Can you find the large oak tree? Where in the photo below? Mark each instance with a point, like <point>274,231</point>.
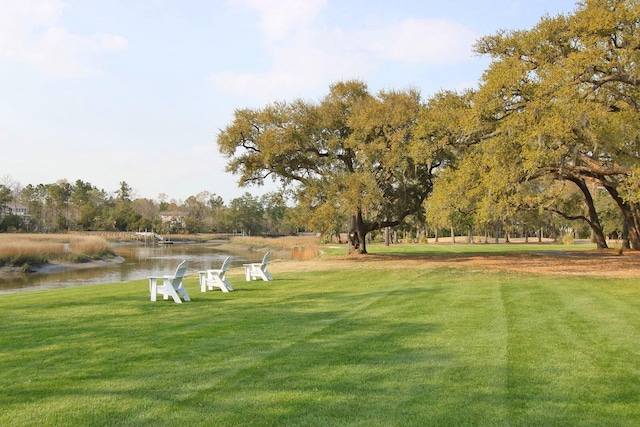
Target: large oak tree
<point>564,99</point>
<point>348,154</point>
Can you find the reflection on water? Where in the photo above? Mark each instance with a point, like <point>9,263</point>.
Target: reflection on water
<point>140,262</point>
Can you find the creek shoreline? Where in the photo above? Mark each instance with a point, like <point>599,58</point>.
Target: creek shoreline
<point>278,251</point>
<point>54,267</point>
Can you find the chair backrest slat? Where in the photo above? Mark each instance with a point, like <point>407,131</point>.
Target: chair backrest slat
<point>180,272</point>
<point>225,265</point>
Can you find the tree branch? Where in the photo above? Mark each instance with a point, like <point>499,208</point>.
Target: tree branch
<point>569,217</point>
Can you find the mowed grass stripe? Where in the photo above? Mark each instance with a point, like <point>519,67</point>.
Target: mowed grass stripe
<point>574,350</point>
<point>385,347</point>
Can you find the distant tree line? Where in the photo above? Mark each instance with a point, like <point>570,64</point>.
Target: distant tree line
<point>63,206</point>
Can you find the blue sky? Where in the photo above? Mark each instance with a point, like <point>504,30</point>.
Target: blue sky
<point>137,90</point>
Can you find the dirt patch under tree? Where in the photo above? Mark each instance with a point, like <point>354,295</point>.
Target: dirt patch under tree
<point>607,263</point>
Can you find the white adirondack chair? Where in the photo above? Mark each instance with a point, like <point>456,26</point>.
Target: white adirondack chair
<point>210,279</point>
<point>171,285</point>
<point>258,270</point>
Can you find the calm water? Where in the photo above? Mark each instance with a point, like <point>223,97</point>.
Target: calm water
<point>140,262</point>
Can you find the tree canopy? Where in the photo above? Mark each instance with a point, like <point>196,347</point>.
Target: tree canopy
<point>351,155</point>
<point>554,120</point>
<point>558,101</point>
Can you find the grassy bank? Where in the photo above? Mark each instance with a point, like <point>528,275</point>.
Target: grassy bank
<point>335,346</point>
<point>28,250</point>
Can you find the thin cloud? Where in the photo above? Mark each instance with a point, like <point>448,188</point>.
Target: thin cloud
<point>281,17</point>
<point>296,68</point>
<point>421,42</point>
<point>310,57</point>
<point>33,31</point>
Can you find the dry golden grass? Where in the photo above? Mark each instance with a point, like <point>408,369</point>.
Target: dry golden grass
<point>89,246</point>
<point>297,247</point>
<point>37,249</point>
<point>304,252</point>
<point>284,241</point>
<point>28,252</point>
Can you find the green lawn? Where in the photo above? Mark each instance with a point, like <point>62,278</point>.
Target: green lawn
<point>463,248</point>
<point>390,347</point>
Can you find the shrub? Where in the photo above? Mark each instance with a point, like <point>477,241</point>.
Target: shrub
<point>567,239</point>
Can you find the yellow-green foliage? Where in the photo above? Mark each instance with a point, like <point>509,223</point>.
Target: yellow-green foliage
<point>568,239</point>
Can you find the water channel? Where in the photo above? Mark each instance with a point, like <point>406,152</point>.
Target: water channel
<point>140,262</point>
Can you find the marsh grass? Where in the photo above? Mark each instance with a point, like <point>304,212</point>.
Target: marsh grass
<point>302,253</point>
<point>26,252</point>
<point>89,247</point>
<point>294,247</point>
<point>390,346</point>
<point>23,250</point>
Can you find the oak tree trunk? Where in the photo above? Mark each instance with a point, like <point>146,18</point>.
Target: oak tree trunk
<point>594,220</point>
<point>631,228</point>
<point>357,235</point>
